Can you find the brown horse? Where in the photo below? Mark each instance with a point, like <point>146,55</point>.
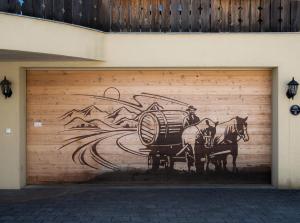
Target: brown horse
<point>226,143</point>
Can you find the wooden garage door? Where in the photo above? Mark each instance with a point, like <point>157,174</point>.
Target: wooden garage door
<point>200,126</point>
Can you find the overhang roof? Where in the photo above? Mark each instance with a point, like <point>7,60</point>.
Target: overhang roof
<point>26,38</point>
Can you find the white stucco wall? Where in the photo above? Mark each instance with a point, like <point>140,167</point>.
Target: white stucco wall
<point>280,52</point>
<point>48,38</point>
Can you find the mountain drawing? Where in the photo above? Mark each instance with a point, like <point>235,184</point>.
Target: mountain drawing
<point>91,110</point>
<point>93,117</point>
<point>121,114</point>
<point>78,122</point>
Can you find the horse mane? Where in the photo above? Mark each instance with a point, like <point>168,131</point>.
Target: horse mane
<point>221,123</point>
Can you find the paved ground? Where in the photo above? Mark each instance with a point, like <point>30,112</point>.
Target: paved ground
<point>140,204</point>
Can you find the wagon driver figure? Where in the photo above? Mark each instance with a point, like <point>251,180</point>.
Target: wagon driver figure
<point>191,118</point>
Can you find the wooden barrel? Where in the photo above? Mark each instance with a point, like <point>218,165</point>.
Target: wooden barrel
<point>162,127</point>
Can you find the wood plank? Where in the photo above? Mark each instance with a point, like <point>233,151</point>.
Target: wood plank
<point>86,13</point>
<point>13,6</point>
<point>256,15</point>
<point>286,15</point>
<point>266,15</point>
<point>68,11</point>
<point>104,16</point>
<point>155,16</point>
<point>235,21</point>
<point>295,16</point>
<point>77,12</point>
<point>276,19</point>
<point>205,16</point>
<point>116,15</point>
<point>218,94</point>
<point>195,15</point>
<point>215,15</point>
<point>58,10</point>
<point>48,9</point>
<point>145,6</point>
<point>220,16</point>
<point>4,6</point>
<point>27,8</point>
<point>175,17</point>
<point>125,16</point>
<point>185,16</point>
<point>38,8</point>
<point>165,10</point>
<point>135,15</point>
<point>245,15</point>
<point>93,14</point>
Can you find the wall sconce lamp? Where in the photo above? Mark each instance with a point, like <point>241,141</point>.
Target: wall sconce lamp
<point>292,89</point>
<point>6,88</point>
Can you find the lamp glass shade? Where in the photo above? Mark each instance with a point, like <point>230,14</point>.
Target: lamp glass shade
<point>292,88</point>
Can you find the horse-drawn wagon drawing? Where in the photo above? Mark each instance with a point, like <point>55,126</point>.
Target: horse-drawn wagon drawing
<point>168,141</point>
<point>168,136</point>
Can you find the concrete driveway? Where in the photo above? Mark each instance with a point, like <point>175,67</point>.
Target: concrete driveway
<point>149,204</point>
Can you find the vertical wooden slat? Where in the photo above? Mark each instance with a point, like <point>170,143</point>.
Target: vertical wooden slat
<point>165,15</point>
<point>68,8</point>
<point>145,15</point>
<point>205,16</point>
<point>135,15</point>
<point>175,19</point>
<point>235,23</point>
<point>195,15</point>
<point>286,15</point>
<point>225,16</point>
<point>86,11</point>
<point>155,16</point>
<point>58,10</point>
<point>295,16</point>
<point>186,16</point>
<point>48,4</point>
<point>13,6</point>
<point>256,19</point>
<point>38,8</point>
<point>104,15</point>
<point>125,16</point>
<point>27,8</point>
<point>276,19</point>
<point>77,11</point>
<point>220,15</point>
<point>115,15</point>
<point>265,15</point>
<point>92,19</point>
<point>4,5</point>
<point>215,15</point>
<point>245,15</point>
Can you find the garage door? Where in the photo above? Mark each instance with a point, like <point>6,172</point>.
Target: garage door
<point>149,126</point>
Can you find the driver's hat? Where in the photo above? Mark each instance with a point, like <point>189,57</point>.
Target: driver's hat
<point>191,108</point>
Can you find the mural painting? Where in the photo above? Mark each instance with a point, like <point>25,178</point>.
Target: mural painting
<point>166,136</point>
<point>149,126</point>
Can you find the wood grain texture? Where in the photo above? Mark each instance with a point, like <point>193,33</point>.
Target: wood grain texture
<point>58,10</point>
<point>175,17</point>
<point>217,94</point>
<point>295,16</point>
<point>166,15</point>
<point>195,15</point>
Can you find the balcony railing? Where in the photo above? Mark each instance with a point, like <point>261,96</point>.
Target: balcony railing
<point>166,15</point>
